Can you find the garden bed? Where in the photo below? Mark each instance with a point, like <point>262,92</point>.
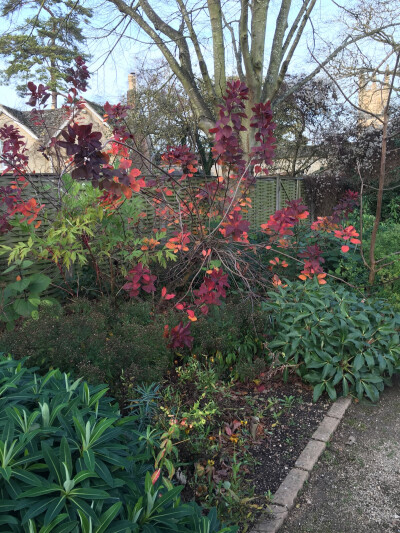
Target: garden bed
<point>279,447</point>
<point>238,457</point>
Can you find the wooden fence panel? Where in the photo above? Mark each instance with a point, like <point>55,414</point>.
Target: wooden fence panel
<point>269,194</point>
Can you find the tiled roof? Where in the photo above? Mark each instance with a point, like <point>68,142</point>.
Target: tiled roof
<point>49,123</point>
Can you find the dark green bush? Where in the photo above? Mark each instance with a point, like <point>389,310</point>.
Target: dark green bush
<point>95,340</point>
<point>233,334</point>
<point>70,463</point>
<point>123,344</point>
<point>334,338</point>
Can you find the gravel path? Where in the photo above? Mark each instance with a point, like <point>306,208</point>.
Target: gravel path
<point>355,487</point>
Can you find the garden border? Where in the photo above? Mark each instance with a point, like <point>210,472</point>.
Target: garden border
<point>288,490</point>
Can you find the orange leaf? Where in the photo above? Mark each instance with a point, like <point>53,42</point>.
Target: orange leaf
<point>191,315</point>
<point>134,173</point>
<point>303,215</point>
<point>127,191</point>
<point>156,475</point>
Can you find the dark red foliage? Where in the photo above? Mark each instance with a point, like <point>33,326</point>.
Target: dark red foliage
<point>180,337</point>
<point>212,289</point>
<point>235,226</point>
<point>9,197</point>
<point>39,95</point>
<point>84,147</point>
<point>13,150</point>
<point>208,190</point>
<point>284,219</point>
<point>227,150</point>
<point>117,114</point>
<point>90,163</point>
<point>262,120</point>
<point>346,206</point>
<point>138,278</point>
<point>5,226</point>
<point>181,156</point>
<point>313,260</point>
<point>79,76</point>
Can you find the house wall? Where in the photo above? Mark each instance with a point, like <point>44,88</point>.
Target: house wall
<point>37,163</point>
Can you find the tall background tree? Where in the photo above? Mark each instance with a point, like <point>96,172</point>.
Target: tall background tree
<point>41,41</point>
<point>194,39</point>
<point>161,113</point>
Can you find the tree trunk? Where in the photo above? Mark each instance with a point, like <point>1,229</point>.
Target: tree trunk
<point>378,213</point>
<point>381,186</point>
<point>53,78</point>
<point>53,99</point>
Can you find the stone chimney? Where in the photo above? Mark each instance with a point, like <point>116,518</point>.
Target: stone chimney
<point>130,95</point>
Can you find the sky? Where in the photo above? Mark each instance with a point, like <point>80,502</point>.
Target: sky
<point>110,77</point>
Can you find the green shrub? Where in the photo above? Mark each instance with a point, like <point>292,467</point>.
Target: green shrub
<point>70,463</point>
<point>233,334</point>
<point>123,344</point>
<point>96,341</point>
<point>387,251</point>
<point>334,338</point>
<point>387,280</point>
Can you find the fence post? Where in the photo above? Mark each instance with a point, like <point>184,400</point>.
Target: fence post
<point>278,193</point>
<point>297,188</point>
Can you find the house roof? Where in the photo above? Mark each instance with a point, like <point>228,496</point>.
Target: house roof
<point>53,120</point>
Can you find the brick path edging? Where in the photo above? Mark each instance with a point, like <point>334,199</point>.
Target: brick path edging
<point>286,494</point>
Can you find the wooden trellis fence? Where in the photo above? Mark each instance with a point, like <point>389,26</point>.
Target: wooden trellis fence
<point>269,195</point>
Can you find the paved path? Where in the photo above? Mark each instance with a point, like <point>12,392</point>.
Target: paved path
<point>355,486</point>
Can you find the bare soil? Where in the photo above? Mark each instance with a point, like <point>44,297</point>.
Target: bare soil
<point>283,417</point>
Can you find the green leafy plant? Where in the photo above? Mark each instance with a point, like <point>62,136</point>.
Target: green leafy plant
<point>69,462</point>
<point>22,297</point>
<point>232,335</point>
<point>334,339</point>
<point>120,345</point>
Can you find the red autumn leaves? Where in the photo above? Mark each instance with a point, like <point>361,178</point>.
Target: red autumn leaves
<point>213,288</point>
<point>139,278</point>
<point>281,226</point>
<point>347,234</point>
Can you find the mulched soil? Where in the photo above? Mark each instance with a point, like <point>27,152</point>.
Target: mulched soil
<point>278,420</point>
<point>279,446</point>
